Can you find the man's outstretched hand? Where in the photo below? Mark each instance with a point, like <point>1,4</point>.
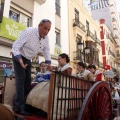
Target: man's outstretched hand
<point>50,67</point>
<point>22,64</point>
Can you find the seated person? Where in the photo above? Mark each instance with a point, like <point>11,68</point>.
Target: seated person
<point>44,75</point>
<point>63,61</point>
<point>38,97</point>
<point>82,72</point>
<point>97,74</point>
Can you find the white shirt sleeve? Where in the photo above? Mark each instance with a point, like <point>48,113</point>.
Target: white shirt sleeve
<point>23,37</point>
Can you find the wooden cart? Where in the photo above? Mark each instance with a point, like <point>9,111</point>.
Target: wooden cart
<point>71,98</point>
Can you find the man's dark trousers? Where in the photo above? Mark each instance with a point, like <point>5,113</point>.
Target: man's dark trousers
<point>23,81</point>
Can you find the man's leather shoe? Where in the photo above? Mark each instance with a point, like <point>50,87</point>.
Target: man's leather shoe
<point>23,112</point>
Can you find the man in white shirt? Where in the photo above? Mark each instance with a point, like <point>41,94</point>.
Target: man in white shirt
<point>30,42</point>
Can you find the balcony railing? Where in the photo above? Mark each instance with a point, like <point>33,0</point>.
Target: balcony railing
<point>118,55</point>
<point>111,53</point>
<point>85,57</point>
<point>57,9</point>
<point>95,62</point>
<point>116,37</point>
<point>115,28</point>
<point>97,41</point>
<point>90,34</point>
<point>76,55</point>
<point>78,24</point>
<point>109,37</point>
<point>113,20</point>
<point>112,12</point>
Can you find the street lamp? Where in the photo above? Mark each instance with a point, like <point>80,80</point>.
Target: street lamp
<point>80,47</point>
<point>86,51</point>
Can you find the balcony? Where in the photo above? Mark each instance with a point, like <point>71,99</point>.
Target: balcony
<point>80,56</point>
<point>76,55</point>
<point>112,12</point>
<point>118,57</point>
<point>111,53</point>
<point>90,34</point>
<point>78,24</point>
<point>57,9</point>
<point>116,37</point>
<point>97,41</point>
<point>109,37</point>
<point>115,28</point>
<point>40,1</point>
<point>95,62</point>
<point>114,20</point>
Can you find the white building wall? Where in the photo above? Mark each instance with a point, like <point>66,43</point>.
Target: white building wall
<point>5,51</point>
<point>64,27</point>
<point>6,8</point>
<point>47,11</point>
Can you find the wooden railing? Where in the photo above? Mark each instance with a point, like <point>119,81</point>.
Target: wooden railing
<point>67,95</point>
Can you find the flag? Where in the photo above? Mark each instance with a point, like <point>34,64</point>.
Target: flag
<point>36,59</point>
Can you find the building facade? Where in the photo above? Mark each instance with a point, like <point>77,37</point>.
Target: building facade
<point>19,14</point>
<point>109,16</point>
<point>84,33</point>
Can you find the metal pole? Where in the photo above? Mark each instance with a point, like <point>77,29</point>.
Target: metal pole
<point>80,56</point>
<point>84,51</point>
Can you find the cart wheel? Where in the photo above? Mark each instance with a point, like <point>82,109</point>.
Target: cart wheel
<point>97,104</point>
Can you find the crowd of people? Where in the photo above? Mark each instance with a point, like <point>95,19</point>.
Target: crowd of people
<point>84,72</point>
<point>31,42</point>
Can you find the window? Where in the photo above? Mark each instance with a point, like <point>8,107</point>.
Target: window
<point>76,16</point>
<point>14,15</point>
<point>58,38</point>
<point>57,7</point>
<point>19,17</point>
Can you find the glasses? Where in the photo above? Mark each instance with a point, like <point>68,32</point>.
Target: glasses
<point>45,20</point>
